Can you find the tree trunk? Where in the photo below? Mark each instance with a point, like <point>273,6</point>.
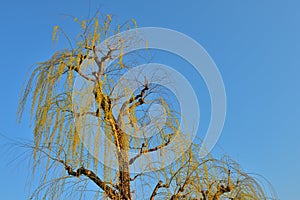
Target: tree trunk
<point>123,161</point>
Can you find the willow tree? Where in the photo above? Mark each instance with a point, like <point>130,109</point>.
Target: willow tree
<point>68,116</point>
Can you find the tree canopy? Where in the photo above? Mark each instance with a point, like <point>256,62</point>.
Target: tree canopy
<point>74,96</point>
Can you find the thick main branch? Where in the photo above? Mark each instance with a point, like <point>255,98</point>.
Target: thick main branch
<point>110,192</point>
<point>121,141</point>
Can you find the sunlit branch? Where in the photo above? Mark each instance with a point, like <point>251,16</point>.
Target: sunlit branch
<point>120,138</point>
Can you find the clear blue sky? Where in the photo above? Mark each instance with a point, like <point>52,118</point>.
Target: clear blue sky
<point>255,44</point>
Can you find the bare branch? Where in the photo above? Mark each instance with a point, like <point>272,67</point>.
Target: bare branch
<point>83,75</point>
<point>110,192</point>
<point>132,179</point>
<point>101,63</point>
<point>139,98</point>
<point>149,150</point>
<point>158,185</point>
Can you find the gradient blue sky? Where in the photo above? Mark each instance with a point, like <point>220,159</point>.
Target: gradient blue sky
<point>255,44</point>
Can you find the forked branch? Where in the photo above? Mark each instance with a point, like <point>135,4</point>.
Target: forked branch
<point>101,62</point>
<point>138,98</point>
<point>158,185</point>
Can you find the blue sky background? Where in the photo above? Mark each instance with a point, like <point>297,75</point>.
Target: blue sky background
<point>255,44</point>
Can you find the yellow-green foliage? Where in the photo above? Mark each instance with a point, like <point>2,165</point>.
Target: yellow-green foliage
<point>50,91</point>
<point>50,88</point>
<point>51,85</point>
